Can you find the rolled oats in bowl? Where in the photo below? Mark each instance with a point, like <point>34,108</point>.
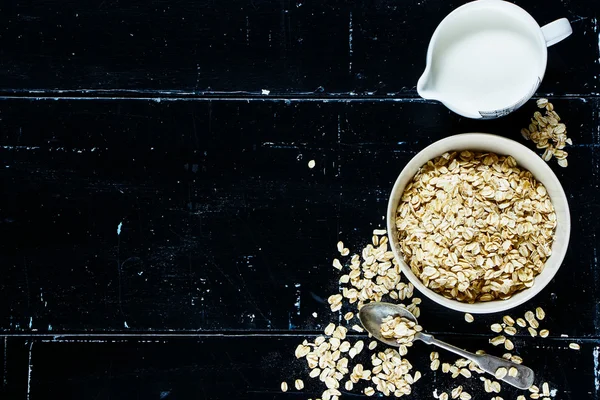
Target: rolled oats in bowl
<point>474,226</point>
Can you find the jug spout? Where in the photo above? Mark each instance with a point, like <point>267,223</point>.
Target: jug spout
<point>425,87</point>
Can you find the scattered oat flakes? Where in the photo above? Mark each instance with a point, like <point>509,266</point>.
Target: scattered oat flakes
<point>532,331</point>
<point>336,264</point>
<point>456,391</point>
<point>548,133</point>
<point>496,328</point>
<point>340,332</point>
<point>496,386</point>
<point>574,346</point>
<point>546,389</point>
<point>544,333</point>
<point>534,389</point>
<point>299,384</point>
<point>284,386</point>
<point>516,359</point>
<point>539,313</point>
<point>302,351</point>
<point>498,340</point>
<point>371,277</point>
<point>508,320</point>
<point>508,344</point>
<point>335,302</point>
<point>357,328</point>
<point>521,322</point>
<point>345,346</point>
<point>329,329</point>
<point>510,330</point>
<point>534,323</point>
<point>529,316</point>
<point>469,318</point>
<point>512,371</point>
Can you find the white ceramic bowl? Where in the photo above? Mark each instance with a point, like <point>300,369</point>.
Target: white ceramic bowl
<point>526,159</point>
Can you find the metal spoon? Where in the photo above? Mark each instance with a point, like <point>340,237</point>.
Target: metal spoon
<point>372,314</point>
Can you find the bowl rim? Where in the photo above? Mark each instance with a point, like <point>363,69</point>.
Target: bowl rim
<point>552,264</point>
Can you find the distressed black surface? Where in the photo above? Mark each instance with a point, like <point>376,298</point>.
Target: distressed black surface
<point>326,47</point>
<point>148,119</point>
<point>242,367</point>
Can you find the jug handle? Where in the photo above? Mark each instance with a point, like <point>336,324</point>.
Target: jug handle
<point>556,31</point>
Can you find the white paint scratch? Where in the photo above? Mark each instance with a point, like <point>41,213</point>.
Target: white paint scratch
<point>247,31</point>
<point>298,296</point>
<point>265,92</point>
<point>119,228</point>
<point>30,322</point>
<point>20,147</point>
<point>5,358</point>
<point>595,23</point>
<point>350,38</point>
<point>29,371</point>
<point>125,323</point>
<point>596,369</point>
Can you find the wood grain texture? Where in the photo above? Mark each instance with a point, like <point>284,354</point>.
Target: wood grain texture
<point>288,47</point>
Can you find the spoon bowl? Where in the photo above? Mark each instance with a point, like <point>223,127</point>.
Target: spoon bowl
<point>371,316</point>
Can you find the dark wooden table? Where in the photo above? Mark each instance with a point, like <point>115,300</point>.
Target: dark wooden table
<point>162,236</point>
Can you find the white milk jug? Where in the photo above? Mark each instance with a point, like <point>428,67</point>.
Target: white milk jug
<point>487,58</point>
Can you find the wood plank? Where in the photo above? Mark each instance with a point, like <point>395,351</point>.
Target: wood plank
<point>15,377</point>
<point>252,367</point>
<point>196,215</point>
<point>288,47</point>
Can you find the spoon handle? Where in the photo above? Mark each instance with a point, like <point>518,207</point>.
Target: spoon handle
<point>429,339</point>
<point>490,364</point>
